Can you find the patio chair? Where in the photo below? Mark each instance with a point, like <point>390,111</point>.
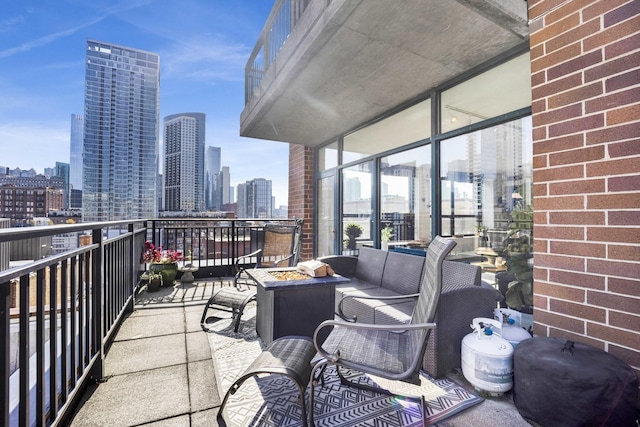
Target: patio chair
<point>394,352</point>
<point>280,248</point>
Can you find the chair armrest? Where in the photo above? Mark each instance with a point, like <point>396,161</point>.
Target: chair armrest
<point>277,262</point>
<point>381,298</point>
<point>344,265</point>
<point>251,255</point>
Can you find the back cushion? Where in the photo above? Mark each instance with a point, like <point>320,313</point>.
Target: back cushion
<point>402,273</point>
<point>371,265</point>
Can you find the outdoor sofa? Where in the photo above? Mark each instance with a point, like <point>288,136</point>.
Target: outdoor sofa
<point>377,273</point>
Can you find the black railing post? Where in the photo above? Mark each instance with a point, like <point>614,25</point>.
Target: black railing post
<point>97,273</point>
<point>233,243</point>
<point>134,269</point>
<point>5,304</point>
<point>23,355</point>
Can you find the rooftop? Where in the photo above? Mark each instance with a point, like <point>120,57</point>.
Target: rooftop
<point>160,369</point>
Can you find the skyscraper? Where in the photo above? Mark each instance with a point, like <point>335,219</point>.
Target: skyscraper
<point>255,199</point>
<point>212,162</point>
<point>120,150</point>
<point>183,171</point>
<point>75,155</point>
<point>62,170</point>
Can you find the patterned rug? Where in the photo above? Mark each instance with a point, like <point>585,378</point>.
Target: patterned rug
<point>272,400</point>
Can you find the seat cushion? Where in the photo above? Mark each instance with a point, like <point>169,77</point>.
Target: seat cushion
<point>391,314</point>
<point>402,273</point>
<point>364,309</point>
<point>344,289</point>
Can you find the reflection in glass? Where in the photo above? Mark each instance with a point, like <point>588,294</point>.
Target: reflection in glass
<point>487,204</point>
<point>405,199</point>
<point>356,206</point>
<point>500,90</point>
<point>328,157</point>
<point>325,214</point>
<point>410,125</point>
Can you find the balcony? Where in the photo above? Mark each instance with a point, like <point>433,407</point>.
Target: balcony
<point>124,356</point>
<point>320,66</point>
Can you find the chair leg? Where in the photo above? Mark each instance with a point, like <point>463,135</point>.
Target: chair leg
<point>321,364</point>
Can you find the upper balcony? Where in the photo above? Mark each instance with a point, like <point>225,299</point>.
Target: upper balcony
<point>320,66</point>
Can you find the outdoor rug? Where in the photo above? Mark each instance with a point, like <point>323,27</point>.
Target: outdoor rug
<point>272,400</point>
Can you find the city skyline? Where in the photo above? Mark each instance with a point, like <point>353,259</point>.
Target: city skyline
<point>203,48</point>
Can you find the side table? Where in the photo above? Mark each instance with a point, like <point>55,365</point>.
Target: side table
<point>292,307</point>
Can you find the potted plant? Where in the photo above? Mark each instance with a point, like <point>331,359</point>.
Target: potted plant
<point>152,280</point>
<point>352,231</point>
<point>385,237</point>
<point>163,261</point>
<point>517,282</point>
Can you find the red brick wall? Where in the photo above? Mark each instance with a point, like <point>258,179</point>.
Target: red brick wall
<point>301,193</point>
<point>585,66</point>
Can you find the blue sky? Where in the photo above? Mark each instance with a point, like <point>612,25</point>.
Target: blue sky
<point>203,47</point>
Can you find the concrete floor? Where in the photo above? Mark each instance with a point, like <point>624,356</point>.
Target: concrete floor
<point>159,370</point>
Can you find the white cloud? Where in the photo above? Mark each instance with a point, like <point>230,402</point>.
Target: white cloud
<point>206,59</point>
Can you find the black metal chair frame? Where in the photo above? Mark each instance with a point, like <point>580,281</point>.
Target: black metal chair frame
<point>401,347</point>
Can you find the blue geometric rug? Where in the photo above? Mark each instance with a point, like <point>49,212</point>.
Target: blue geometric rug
<point>272,400</point>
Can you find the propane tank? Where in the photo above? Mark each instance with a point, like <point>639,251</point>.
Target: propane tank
<point>487,358</point>
<point>511,327</point>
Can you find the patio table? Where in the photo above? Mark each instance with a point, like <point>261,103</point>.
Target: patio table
<point>292,307</point>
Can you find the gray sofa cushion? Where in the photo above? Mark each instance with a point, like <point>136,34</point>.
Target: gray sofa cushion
<point>364,309</point>
<point>371,265</point>
<point>402,273</point>
<point>391,314</point>
<point>355,285</point>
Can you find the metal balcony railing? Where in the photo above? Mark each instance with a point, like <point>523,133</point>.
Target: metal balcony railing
<point>280,23</point>
<point>58,314</point>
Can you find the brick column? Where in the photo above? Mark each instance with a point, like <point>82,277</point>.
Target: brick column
<point>301,193</point>
<point>585,66</point>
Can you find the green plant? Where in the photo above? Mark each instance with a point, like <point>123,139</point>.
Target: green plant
<point>148,276</point>
<point>518,255</point>
<point>352,231</point>
<point>386,234</point>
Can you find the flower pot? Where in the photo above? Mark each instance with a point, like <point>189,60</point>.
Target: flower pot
<point>384,246</point>
<point>168,271</point>
<point>154,285</point>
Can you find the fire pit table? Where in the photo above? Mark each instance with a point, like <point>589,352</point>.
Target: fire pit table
<point>291,303</point>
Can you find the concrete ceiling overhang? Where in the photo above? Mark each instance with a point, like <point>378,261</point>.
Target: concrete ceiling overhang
<point>350,61</point>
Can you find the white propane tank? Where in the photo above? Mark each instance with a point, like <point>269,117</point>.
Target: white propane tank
<point>511,326</point>
<point>487,358</point>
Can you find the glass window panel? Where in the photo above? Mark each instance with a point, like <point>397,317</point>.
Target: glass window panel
<point>486,192</point>
<point>357,207</point>
<point>328,157</point>
<point>325,214</point>
<point>407,126</point>
<point>405,199</point>
<point>498,91</point>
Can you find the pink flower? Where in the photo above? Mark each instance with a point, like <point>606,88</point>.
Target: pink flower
<point>158,255</point>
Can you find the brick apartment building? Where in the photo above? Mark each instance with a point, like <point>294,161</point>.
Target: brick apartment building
<point>350,67</point>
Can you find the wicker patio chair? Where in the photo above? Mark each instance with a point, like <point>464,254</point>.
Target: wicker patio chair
<point>281,248</point>
<point>394,352</point>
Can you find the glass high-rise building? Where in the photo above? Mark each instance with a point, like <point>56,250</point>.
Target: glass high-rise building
<point>212,164</point>
<point>77,138</point>
<point>121,133</point>
<point>183,171</point>
<point>255,199</point>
